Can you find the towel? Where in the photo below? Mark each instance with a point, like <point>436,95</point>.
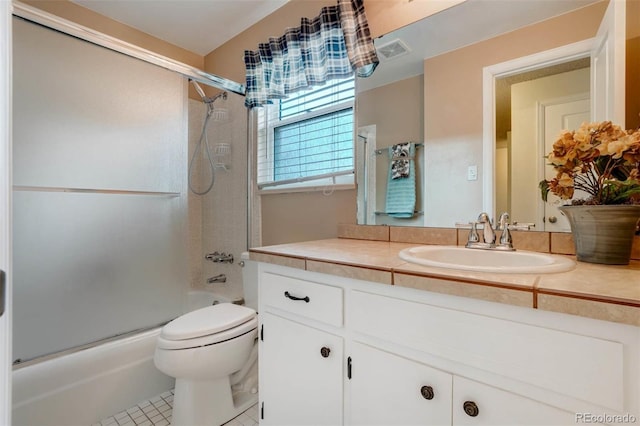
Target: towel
<point>401,182</point>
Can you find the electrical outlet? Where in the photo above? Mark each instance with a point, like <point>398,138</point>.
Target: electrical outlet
<point>472,173</point>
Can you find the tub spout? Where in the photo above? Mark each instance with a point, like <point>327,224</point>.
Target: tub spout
<point>222,278</point>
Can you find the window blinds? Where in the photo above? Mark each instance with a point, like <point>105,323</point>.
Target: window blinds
<point>308,136</point>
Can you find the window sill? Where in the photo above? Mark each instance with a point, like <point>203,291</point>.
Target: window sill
<point>327,189</point>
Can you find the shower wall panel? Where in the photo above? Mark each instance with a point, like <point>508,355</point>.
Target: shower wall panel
<point>100,143</point>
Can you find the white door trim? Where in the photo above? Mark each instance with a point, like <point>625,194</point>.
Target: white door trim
<point>5,207</point>
<point>570,52</point>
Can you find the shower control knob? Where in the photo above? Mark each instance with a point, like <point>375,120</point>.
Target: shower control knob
<point>470,408</point>
<point>325,351</point>
<point>427,392</point>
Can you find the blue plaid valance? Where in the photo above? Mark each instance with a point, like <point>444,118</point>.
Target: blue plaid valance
<point>331,45</point>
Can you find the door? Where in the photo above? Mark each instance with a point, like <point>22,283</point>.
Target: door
<point>557,117</point>
<point>5,211</point>
<point>608,66</point>
<point>303,385</point>
<point>387,389</point>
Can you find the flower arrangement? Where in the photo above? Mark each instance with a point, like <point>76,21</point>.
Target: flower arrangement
<point>600,159</point>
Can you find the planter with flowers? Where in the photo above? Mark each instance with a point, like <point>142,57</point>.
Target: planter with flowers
<point>602,161</point>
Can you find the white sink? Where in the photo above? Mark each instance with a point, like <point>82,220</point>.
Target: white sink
<point>505,262</point>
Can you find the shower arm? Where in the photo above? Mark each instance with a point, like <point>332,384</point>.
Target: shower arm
<point>205,98</point>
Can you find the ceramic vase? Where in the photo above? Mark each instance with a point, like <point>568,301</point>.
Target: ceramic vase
<point>603,234</point>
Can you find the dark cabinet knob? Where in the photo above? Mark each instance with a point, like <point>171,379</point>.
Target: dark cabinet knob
<point>427,392</point>
<point>325,351</point>
<point>470,408</point>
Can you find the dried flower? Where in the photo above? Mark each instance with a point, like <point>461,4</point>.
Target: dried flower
<point>600,159</point>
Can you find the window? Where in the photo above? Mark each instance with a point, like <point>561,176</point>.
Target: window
<point>307,139</point>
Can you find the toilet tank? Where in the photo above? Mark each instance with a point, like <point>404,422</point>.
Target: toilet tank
<point>250,281</point>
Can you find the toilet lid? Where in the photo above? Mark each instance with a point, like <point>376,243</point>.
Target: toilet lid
<point>205,321</point>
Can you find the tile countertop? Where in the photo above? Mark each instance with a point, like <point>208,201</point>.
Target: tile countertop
<point>605,292</point>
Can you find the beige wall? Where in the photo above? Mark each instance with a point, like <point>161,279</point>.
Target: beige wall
<point>454,111</point>
<point>303,216</point>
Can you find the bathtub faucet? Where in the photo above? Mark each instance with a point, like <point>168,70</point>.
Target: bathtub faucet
<point>222,278</point>
<point>219,257</point>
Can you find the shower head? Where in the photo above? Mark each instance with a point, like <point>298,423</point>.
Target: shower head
<point>204,97</point>
<point>199,90</point>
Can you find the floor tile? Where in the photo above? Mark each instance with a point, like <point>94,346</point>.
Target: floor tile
<point>157,412</point>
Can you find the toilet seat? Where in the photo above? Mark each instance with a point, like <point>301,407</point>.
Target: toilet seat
<point>207,326</point>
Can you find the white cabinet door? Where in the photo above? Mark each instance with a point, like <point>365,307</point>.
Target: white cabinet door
<point>479,404</point>
<point>301,374</point>
<point>387,389</point>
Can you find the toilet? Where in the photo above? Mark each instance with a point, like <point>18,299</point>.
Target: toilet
<point>213,354</point>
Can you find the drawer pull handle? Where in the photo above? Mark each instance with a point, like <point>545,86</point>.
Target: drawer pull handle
<point>470,408</point>
<point>427,392</point>
<point>325,351</point>
<point>289,296</point>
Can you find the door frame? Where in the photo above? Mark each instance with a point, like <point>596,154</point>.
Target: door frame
<point>5,207</point>
<point>569,52</point>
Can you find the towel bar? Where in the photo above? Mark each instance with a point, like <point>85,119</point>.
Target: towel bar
<point>386,150</point>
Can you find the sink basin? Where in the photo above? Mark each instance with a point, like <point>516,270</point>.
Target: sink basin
<point>496,261</point>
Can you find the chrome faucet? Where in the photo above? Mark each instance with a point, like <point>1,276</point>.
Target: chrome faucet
<point>488,233</point>
<point>506,242</point>
<point>222,278</point>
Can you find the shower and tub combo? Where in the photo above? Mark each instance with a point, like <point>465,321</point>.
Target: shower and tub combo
<point>100,211</point>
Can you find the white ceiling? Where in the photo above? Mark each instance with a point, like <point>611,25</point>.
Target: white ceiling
<point>199,26</point>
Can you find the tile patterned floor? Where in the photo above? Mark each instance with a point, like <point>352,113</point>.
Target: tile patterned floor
<point>157,412</point>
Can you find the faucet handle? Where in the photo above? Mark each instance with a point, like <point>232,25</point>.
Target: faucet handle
<point>506,241</point>
<point>473,233</point>
<point>517,226</point>
<point>503,222</point>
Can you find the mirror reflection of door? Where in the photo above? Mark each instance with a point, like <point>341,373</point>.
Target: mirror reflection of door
<point>558,116</point>
<point>521,130</point>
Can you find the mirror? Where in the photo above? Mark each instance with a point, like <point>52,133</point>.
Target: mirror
<point>428,88</point>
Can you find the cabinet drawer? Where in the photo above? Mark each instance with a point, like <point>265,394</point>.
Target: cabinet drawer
<point>312,300</point>
<point>563,362</point>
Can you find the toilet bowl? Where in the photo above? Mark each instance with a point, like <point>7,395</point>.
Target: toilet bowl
<point>212,352</point>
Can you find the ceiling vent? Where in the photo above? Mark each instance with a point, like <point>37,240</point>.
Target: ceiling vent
<point>392,50</point>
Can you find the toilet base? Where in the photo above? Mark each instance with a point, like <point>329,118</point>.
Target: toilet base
<point>208,403</point>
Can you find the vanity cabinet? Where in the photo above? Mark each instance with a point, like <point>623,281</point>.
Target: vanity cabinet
<point>336,350</point>
<point>302,379</point>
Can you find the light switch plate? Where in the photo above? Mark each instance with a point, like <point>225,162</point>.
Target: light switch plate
<point>472,173</point>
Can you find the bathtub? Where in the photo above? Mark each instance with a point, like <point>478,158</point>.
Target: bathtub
<point>85,386</point>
